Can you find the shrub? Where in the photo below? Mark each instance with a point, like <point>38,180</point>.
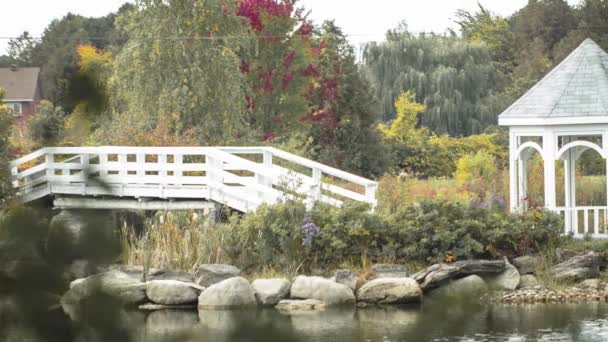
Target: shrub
<point>46,127</point>
<point>432,231</point>
<point>436,230</point>
<point>271,236</point>
<point>478,175</point>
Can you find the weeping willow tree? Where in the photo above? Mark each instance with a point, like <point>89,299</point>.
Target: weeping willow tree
<point>448,75</point>
<point>177,61</point>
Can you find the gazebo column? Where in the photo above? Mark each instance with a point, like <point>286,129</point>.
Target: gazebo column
<point>549,151</point>
<point>522,179</point>
<point>570,215</point>
<point>513,179</point>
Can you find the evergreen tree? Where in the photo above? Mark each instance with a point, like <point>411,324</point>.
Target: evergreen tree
<point>342,116</point>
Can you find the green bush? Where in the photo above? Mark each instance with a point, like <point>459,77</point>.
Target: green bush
<point>432,231</point>
<point>46,126</point>
<point>271,236</point>
<point>438,230</point>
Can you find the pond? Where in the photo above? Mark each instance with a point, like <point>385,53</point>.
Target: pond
<point>433,322</point>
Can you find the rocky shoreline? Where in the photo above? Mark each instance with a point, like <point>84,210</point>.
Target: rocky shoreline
<point>540,295</point>
<point>220,287</point>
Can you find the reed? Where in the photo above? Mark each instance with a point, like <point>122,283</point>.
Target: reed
<point>173,240</point>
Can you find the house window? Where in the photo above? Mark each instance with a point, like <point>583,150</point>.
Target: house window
<point>14,108</point>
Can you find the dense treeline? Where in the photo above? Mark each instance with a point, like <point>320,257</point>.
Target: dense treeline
<point>260,72</point>
<point>467,78</point>
<point>448,75</point>
<point>55,53</point>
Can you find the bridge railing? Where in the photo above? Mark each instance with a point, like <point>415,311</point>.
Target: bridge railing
<point>241,177</point>
<point>316,180</point>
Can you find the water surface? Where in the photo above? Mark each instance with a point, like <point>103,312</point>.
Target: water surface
<point>433,322</point>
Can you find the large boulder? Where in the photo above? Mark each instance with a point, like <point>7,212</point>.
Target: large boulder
<point>162,274</point>
<point>321,289</point>
<point>231,293</point>
<point>578,268</point>
<point>346,277</point>
<point>137,272</point>
<point>270,291</point>
<point>508,279</point>
<point>172,292</point>
<point>527,264</point>
<point>390,291</point>
<point>467,286</point>
<point>113,283</point>
<point>527,280</point>
<point>441,274</point>
<point>209,274</point>
<point>298,305</point>
<point>389,271</point>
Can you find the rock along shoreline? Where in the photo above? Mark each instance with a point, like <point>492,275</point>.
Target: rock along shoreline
<point>222,287</point>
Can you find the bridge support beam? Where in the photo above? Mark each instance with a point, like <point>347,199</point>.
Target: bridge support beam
<point>130,204</point>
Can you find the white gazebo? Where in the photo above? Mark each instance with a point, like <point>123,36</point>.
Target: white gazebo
<point>562,116</point>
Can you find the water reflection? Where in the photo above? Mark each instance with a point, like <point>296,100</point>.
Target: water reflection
<point>560,322</point>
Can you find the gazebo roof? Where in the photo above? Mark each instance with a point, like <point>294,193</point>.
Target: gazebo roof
<point>574,92</point>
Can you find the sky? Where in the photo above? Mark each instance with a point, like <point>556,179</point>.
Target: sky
<point>361,20</point>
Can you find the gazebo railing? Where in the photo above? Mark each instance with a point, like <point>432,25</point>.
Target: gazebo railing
<point>584,221</point>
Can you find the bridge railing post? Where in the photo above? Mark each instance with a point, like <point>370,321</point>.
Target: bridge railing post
<point>103,160</point>
<point>49,159</point>
<point>215,170</point>
<point>178,161</point>
<point>14,173</point>
<point>122,161</point>
<point>370,194</point>
<point>141,163</point>
<point>264,179</point>
<point>84,163</point>
<point>315,188</point>
<point>162,163</point>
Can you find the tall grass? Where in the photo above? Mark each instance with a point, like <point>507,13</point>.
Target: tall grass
<point>396,191</point>
<point>173,240</point>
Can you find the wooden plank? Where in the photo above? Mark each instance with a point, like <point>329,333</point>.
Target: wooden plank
<point>345,192</point>
<point>324,168</point>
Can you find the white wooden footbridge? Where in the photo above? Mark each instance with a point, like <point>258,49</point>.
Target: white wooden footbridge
<point>173,178</point>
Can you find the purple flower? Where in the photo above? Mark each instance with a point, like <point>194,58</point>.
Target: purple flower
<point>492,200</point>
<point>310,230</point>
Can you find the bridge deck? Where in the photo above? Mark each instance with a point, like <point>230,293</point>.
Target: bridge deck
<point>239,177</point>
